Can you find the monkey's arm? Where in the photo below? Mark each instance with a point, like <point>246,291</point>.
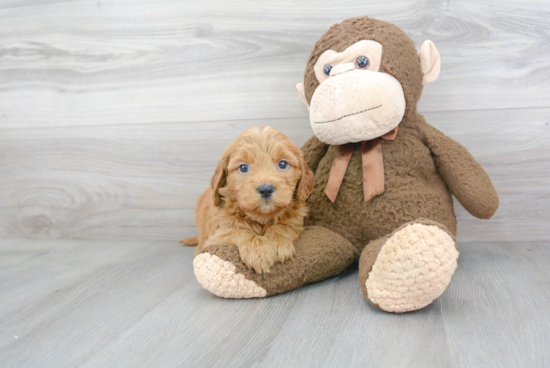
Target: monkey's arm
<point>465,177</point>
<point>314,150</point>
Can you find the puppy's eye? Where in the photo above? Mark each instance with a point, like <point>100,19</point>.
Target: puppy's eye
<point>283,165</point>
<point>327,69</point>
<point>362,62</point>
<point>243,168</point>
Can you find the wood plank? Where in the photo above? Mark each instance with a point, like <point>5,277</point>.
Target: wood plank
<point>31,257</point>
<point>137,61</point>
<point>64,325</point>
<point>327,324</point>
<point>145,308</point>
<point>142,181</point>
<point>6,4</point>
<point>341,329</point>
<point>499,315</point>
<point>43,272</point>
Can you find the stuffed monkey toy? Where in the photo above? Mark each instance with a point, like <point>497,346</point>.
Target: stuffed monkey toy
<point>383,178</point>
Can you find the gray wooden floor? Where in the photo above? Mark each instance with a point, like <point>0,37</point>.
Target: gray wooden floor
<point>97,303</point>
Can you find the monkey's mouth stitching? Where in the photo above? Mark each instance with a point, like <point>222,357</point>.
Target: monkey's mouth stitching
<point>345,116</point>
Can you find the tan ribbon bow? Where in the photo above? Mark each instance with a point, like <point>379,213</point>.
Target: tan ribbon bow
<point>373,167</point>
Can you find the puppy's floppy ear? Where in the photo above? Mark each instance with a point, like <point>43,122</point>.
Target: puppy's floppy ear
<point>305,184</point>
<point>219,179</point>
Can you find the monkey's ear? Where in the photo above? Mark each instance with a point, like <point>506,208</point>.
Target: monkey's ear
<point>430,61</point>
<point>302,93</point>
<point>219,179</point>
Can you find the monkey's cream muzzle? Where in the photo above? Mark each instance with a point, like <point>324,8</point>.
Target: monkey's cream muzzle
<point>355,105</point>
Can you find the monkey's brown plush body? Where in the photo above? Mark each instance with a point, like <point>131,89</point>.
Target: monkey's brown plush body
<point>404,234</point>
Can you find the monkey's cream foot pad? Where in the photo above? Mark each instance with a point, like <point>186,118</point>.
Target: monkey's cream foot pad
<point>413,268</point>
<point>221,279</point>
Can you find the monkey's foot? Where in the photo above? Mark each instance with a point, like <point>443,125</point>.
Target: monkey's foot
<point>221,278</point>
<point>409,269</point>
<point>320,254</point>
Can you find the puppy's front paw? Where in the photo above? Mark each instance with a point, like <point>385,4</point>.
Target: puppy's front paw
<point>258,255</point>
<point>285,251</point>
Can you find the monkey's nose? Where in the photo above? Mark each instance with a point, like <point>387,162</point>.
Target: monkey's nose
<point>266,190</point>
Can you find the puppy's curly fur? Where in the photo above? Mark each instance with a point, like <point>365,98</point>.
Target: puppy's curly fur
<point>234,211</point>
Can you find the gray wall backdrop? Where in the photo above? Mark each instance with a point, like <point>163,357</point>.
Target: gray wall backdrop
<point>113,114</point>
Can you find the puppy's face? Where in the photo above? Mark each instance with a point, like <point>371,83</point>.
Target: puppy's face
<point>262,171</point>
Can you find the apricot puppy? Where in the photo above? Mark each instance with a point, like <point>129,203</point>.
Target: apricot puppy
<point>257,199</point>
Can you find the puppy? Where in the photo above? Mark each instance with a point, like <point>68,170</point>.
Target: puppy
<point>257,199</point>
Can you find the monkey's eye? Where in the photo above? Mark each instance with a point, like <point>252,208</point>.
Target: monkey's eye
<point>362,62</point>
<point>283,165</point>
<point>328,68</point>
<point>243,168</point>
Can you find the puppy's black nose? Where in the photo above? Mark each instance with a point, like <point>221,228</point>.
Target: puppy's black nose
<point>266,190</point>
